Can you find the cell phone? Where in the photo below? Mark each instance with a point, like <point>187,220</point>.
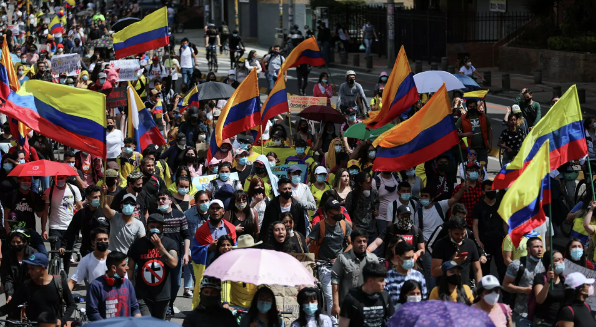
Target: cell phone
<point>463,254</point>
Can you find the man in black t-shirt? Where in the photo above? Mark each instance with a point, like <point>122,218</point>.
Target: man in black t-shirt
<point>404,228</point>
<point>369,304</point>
<point>155,256</point>
<point>22,204</point>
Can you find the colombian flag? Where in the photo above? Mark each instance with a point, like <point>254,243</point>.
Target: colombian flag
<point>70,4</point>
<point>430,132</point>
<point>478,95</point>
<point>141,126</point>
<point>242,111</point>
<point>148,34</point>
<point>307,52</point>
<point>213,148</point>
<point>399,95</point>
<point>277,102</point>
<point>191,99</point>
<point>158,111</point>
<point>521,206</point>
<point>562,126</point>
<point>56,25</point>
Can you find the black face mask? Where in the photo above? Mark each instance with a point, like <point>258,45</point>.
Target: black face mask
<point>338,217</point>
<point>209,301</point>
<point>137,189</point>
<point>491,195</point>
<point>351,81</point>
<point>110,181</point>
<point>304,128</point>
<point>211,105</point>
<point>260,170</point>
<point>529,100</point>
<point>259,190</point>
<point>110,127</point>
<point>18,248</point>
<point>286,195</point>
<point>101,246</point>
<point>183,90</point>
<point>191,158</point>
<point>454,279</point>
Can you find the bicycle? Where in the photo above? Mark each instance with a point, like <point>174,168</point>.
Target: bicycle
<point>237,55</point>
<point>79,317</point>
<point>178,25</point>
<point>56,264</point>
<point>18,323</point>
<point>212,58</point>
<point>226,48</point>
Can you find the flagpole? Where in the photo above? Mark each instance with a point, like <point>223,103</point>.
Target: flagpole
<point>590,180</point>
<point>262,143</point>
<point>550,238</point>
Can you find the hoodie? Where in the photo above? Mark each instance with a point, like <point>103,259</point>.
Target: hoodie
<point>225,156</point>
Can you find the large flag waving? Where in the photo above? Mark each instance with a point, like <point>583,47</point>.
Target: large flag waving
<point>189,100</point>
<point>141,126</point>
<point>399,95</point>
<point>521,206</point>
<point>18,130</point>
<point>56,25</point>
<point>430,132</point>
<point>277,102</point>
<point>307,52</point>
<point>148,34</point>
<point>562,126</point>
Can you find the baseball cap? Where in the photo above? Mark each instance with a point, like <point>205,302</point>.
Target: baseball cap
<point>240,151</point>
<point>216,202</point>
<point>575,279</point>
<point>320,170</point>
<point>155,58</point>
<point>472,164</point>
<point>351,111</point>
<point>447,265</point>
<point>103,75</point>
<point>232,72</point>
<point>247,139</point>
<point>155,218</point>
<point>129,198</point>
<point>515,109</point>
<point>489,282</point>
<point>353,162</point>
<point>37,259</point>
<point>332,204</point>
<point>111,173</point>
<point>403,209</point>
<point>293,169</point>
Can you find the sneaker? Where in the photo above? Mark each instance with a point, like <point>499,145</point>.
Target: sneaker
<point>187,294</point>
<point>72,259</point>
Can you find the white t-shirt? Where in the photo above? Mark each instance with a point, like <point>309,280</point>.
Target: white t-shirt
<point>412,209</point>
<point>467,71</point>
<point>115,142</point>
<point>171,12</point>
<point>63,204</point>
<point>156,71</point>
<point>286,209</point>
<point>90,268</point>
<point>186,57</point>
<point>431,218</point>
<point>122,235</point>
<point>175,65</point>
<point>266,130</point>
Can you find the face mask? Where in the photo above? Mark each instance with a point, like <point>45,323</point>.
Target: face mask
<point>534,258</point>
<point>210,301</point>
<point>271,164</point>
<point>383,79</point>
<point>338,217</point>
<point>277,142</point>
<point>128,150</point>
<point>261,170</point>
<point>164,207</point>
<point>591,290</point>
<point>408,264</point>
<point>154,231</point>
<point>352,118</point>
<point>414,298</point>
<point>337,148</point>
<point>411,173</point>
<point>405,196</point>
<point>137,189</point>
<point>95,203</point>
<point>442,167</point>
<point>240,65</point>
<point>234,35</point>
<point>351,81</point>
<point>101,246</point>
<point>7,166</point>
<point>366,193</point>
<point>110,181</point>
<point>576,253</point>
<point>300,151</point>
<point>491,195</point>
<point>110,127</point>
<point>559,268</point>
<point>190,158</point>
<point>128,209</point>
<point>185,46</point>
<point>85,77</point>
<point>241,206</point>
<point>263,306</point>
<point>244,146</point>
<point>23,61</point>
<point>529,100</point>
<point>102,80</point>
<point>286,195</point>
<point>61,184</point>
<point>225,149</point>
<point>354,171</point>
<point>204,206</point>
<point>424,202</point>
<point>17,248</point>
<point>243,161</point>
<point>491,298</point>
<point>158,87</point>
<point>469,64</point>
<point>22,161</point>
<point>310,308</point>
<point>215,169</point>
<point>20,72</point>
<point>321,178</point>
<point>473,175</point>
<point>372,154</point>
<point>202,138</point>
<point>25,186</point>
<point>296,179</point>
<point>454,279</point>
<point>224,176</point>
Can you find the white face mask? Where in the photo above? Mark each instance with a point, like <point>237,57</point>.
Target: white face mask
<point>469,64</point>
<point>414,298</point>
<point>492,298</point>
<point>366,193</point>
<point>272,163</point>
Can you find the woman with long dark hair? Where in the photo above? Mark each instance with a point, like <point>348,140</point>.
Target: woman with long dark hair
<point>576,312</point>
<point>363,205</point>
<point>311,303</point>
<point>297,240</point>
<point>450,286</point>
<point>241,215</point>
<point>323,88</point>
<point>189,160</point>
<point>411,291</point>
<point>574,252</point>
<point>549,299</point>
<point>263,310</point>
<point>341,184</point>
<point>224,245</point>
<point>278,239</point>
<point>365,153</point>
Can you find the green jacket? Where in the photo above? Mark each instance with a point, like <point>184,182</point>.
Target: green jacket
<point>531,112</point>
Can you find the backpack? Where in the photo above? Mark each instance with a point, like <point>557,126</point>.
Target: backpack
<point>420,214</point>
<point>412,203</point>
<point>378,179</point>
<point>314,247</point>
<point>52,192</point>
<point>57,280</point>
<point>573,312</point>
<point>518,277</point>
<point>225,30</point>
<point>124,161</point>
<point>216,187</point>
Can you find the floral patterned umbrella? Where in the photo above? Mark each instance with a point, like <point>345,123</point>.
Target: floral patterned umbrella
<point>439,314</point>
<point>103,42</point>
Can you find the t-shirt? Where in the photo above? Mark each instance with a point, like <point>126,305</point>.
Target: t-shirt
<point>579,313</point>
<point>412,204</point>
<point>445,250</point>
<point>516,253</point>
<point>24,206</point>
<point>89,268</point>
<point>531,270</point>
<point>431,219</point>
<point>234,183</point>
<point>122,235</point>
<point>243,175</point>
<point>412,236</point>
<point>366,310</point>
<point>333,241</point>
<point>498,317</point>
<point>512,139</point>
<point>554,300</point>
<point>153,274</point>
<point>387,193</point>
<point>186,57</point>
<point>62,206</point>
<point>176,227</point>
<point>434,294</point>
<point>490,223</point>
<point>477,139</point>
<point>394,282</point>
<point>115,143</point>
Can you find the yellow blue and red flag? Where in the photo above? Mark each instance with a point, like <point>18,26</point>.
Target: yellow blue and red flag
<point>307,52</point>
<point>521,207</point>
<point>189,100</point>
<point>478,95</point>
<point>70,4</point>
<point>399,95</point>
<point>141,125</point>
<point>277,102</point>
<point>56,25</point>
<point>430,132</point>
<point>148,34</point>
<point>562,126</point>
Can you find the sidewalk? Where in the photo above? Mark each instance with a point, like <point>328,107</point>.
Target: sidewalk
<point>542,93</point>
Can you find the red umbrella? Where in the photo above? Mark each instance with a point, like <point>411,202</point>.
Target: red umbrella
<point>43,168</point>
<point>322,114</point>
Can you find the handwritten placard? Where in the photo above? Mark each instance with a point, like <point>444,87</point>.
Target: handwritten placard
<point>128,69</point>
<point>571,267</point>
<point>67,63</point>
<point>117,98</point>
<point>200,182</point>
<point>298,103</point>
<point>282,171</point>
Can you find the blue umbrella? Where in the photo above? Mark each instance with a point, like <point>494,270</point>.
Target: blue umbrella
<point>439,314</point>
<point>466,80</point>
<point>132,322</point>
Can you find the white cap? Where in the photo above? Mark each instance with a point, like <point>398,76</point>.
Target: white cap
<point>240,151</point>
<point>213,161</point>
<point>320,170</point>
<point>216,202</point>
<point>576,279</point>
<point>489,282</point>
<point>515,108</point>
<point>232,72</point>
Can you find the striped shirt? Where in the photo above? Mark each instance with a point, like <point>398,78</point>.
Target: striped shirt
<point>394,281</point>
<point>176,227</point>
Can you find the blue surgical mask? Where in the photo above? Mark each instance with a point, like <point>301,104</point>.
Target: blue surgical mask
<point>296,179</point>
<point>61,183</point>
<point>352,118</point>
<point>85,77</point>
<point>559,268</point>
<point>534,258</point>
<point>576,253</point>
<point>215,170</point>
<point>72,164</point>
<point>354,171</point>
<point>7,167</point>
<point>183,190</point>
<point>424,202</point>
<point>95,203</point>
<point>116,276</point>
<point>243,161</point>
<point>383,79</point>
<point>22,161</point>
<point>263,306</point>
<point>164,207</point>
<point>224,176</point>
<point>128,150</point>
<point>321,178</point>
<point>204,206</point>
<point>244,146</point>
<point>411,173</point>
<point>473,175</point>
<point>324,80</point>
<point>310,308</point>
<point>337,148</point>
<point>185,46</point>
<point>25,186</point>
<point>300,150</point>
<point>372,154</point>
<point>408,264</point>
<point>405,196</point>
<point>234,35</point>
<point>128,209</point>
<point>155,230</point>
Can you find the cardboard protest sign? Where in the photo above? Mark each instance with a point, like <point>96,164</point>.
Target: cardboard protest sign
<point>128,69</point>
<point>298,103</point>
<point>281,171</point>
<point>200,182</point>
<point>117,98</point>
<point>67,63</point>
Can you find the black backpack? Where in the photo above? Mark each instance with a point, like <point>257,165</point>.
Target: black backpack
<point>520,273</point>
<point>420,214</point>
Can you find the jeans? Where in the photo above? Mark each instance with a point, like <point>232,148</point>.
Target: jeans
<point>326,51</point>
<point>36,242</point>
<point>186,74</point>
<point>35,183</point>
<point>45,183</point>
<point>175,279</point>
<point>325,279</point>
<point>66,256</point>
<point>430,280</point>
<point>189,275</point>
<point>520,321</point>
<point>156,309</point>
<point>368,44</point>
<point>271,79</point>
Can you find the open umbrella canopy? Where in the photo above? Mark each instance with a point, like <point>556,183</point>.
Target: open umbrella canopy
<point>102,42</point>
<point>431,81</point>
<point>359,131</point>
<point>260,267</point>
<point>124,22</point>
<point>132,322</point>
<point>467,81</point>
<point>43,168</point>
<point>214,91</point>
<point>438,314</point>
<point>322,114</point>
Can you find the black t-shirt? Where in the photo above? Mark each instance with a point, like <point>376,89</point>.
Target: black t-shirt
<point>24,207</point>
<point>490,223</point>
<point>118,189</point>
<point>413,236</point>
<point>176,228</point>
<point>184,205</point>
<point>445,250</point>
<point>153,274</point>
<point>554,300</point>
<point>85,220</point>
<point>578,313</point>
<point>243,175</point>
<point>212,37</point>
<point>365,310</point>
